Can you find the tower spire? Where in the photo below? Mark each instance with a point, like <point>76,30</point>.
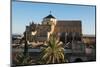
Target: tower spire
<point>50,11</point>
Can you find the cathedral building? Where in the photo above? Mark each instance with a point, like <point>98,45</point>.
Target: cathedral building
<point>49,25</point>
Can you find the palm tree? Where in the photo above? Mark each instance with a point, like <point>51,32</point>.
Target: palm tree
<point>54,53</point>
<point>20,59</point>
<point>23,58</point>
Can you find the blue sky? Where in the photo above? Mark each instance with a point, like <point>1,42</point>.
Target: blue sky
<point>25,12</point>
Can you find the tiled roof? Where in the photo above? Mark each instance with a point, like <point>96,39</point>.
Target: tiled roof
<point>49,16</point>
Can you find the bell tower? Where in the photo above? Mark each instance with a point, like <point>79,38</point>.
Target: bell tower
<point>49,20</point>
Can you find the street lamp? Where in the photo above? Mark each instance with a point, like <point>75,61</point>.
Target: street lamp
<point>26,46</point>
<point>65,37</point>
<point>73,36</point>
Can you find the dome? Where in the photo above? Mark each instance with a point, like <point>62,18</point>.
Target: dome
<point>49,16</point>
